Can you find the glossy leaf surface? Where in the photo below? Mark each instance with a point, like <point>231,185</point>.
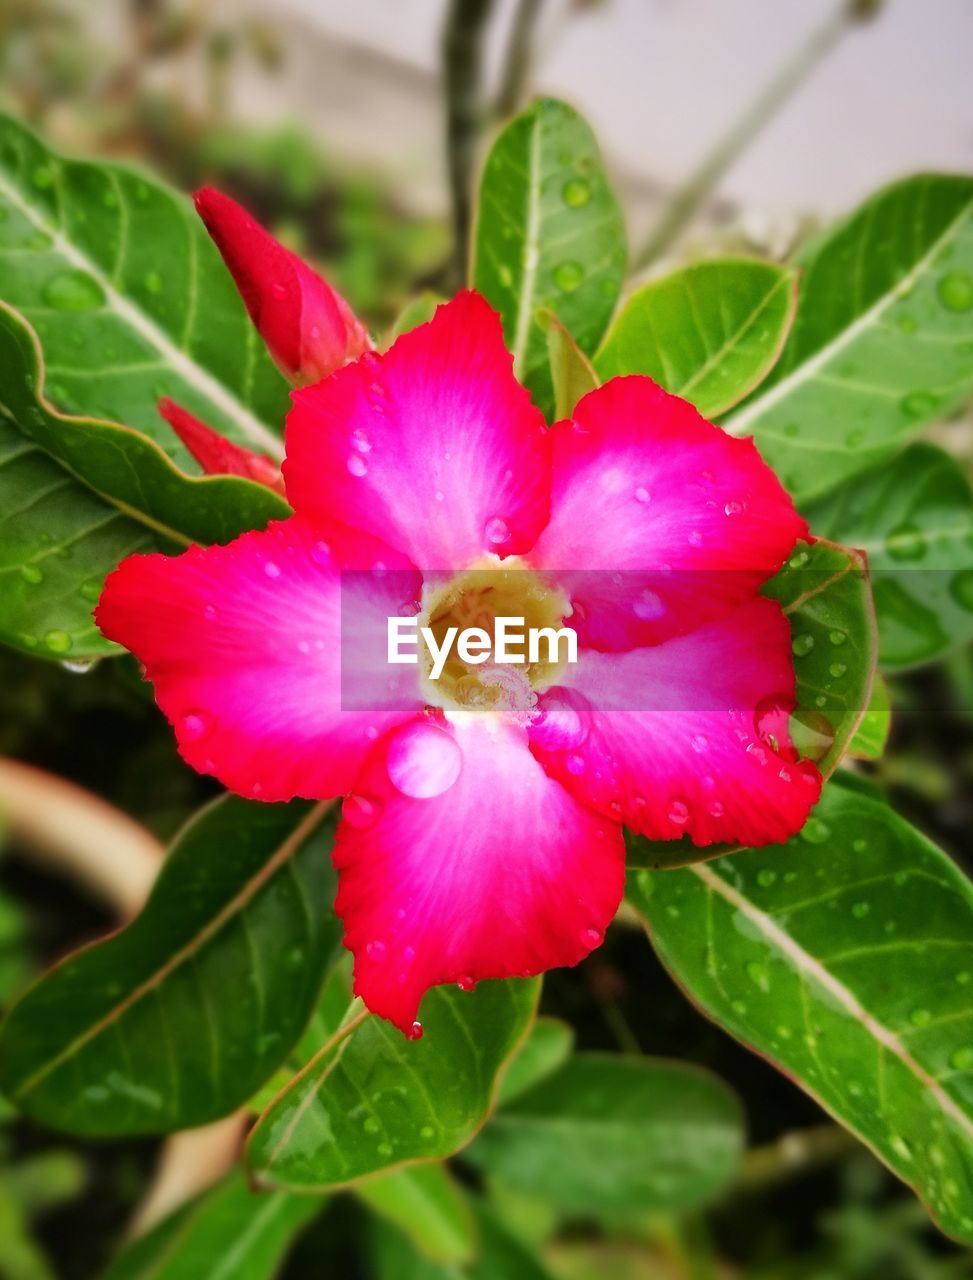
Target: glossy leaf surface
<point>913,518</point>
<point>709,333</point>
<point>883,339</point>
<point>548,234</point>
<point>178,1018</point>
<point>373,1100</point>
<point>610,1135</point>
<point>846,957</point>
<point>130,299</point>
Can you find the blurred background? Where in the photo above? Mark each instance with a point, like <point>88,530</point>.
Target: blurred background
<point>353,131</point>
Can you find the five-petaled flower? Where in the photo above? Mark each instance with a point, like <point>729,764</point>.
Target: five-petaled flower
<point>481,829</point>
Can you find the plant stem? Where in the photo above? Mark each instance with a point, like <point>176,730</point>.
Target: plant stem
<point>794,1153</point>
<point>687,200</point>
<point>462,53</point>
<point>518,59</point>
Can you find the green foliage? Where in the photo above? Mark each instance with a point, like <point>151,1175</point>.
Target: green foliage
<point>228,1231</point>
<point>137,1034</point>
<point>549,234</point>
<point>371,1099</point>
<point>846,958</point>
<point>709,333</point>
<point>609,1135</point>
<point>883,339</point>
<point>913,518</point>
<point>427,1205</point>
<point>131,301</point>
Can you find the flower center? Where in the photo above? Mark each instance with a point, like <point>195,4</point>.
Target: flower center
<point>476,598</point>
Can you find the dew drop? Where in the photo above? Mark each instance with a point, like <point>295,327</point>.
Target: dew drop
<point>79,666</point>
<point>574,765</point>
<point>568,275</point>
<point>837,670</point>
<point>321,554</point>
<point>384,1149</point>
<point>73,291</point>
<point>699,743</point>
<point>815,831</point>
<point>90,590</point>
<point>918,404</point>
<point>860,910</point>
<point>496,531</point>
<point>733,508</point>
<point>812,734</point>
<point>153,282</point>
<point>415,1031</point>
<point>359,812</point>
<point>766,877</point>
<point>592,938</point>
<point>798,560</point>
<point>272,570</point>
<point>802,645</point>
<point>576,193</point>
<point>423,760</point>
<point>838,637</point>
<point>195,725</point>
<point>715,809</point>
<point>641,494</point>
<point>376,950</point>
<point>648,606</point>
<point>360,441</point>
<point>695,538</point>
<point>906,542</point>
<point>372,1125</point>
<point>427,1132</point>
<point>356,465</point>
<point>58,641</point>
<point>465,983</point>
<point>561,721</point>
<point>962,1059</point>
<point>678,812</point>
<point>30,573</point>
<point>955,291</point>
<point>920,1017</point>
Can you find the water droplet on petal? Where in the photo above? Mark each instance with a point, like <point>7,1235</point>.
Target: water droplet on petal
<point>574,765</point>
<point>321,554</point>
<point>678,812</point>
<point>272,570</point>
<point>648,606</point>
<point>561,721</point>
<point>376,950</point>
<point>465,983</point>
<point>496,531</point>
<point>359,812</point>
<point>592,938</point>
<point>415,1031</point>
<point>642,494</point>
<point>356,465</point>
<point>699,743</point>
<point>423,760</point>
<point>360,441</point>
<point>196,725</point>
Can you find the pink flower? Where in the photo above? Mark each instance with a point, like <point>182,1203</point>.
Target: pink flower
<point>481,831</point>
<point>308,327</point>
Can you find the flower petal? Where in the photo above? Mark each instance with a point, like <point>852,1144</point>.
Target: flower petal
<point>217,455</point>
<point>459,859</point>
<point>433,447</point>
<point>686,737</point>
<point>659,520</point>
<point>242,643</point>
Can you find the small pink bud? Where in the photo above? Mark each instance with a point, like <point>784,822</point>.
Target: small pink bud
<point>217,455</point>
<point>308,327</point>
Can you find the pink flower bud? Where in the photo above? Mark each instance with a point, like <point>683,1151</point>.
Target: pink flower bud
<point>217,455</point>
<point>308,327</point>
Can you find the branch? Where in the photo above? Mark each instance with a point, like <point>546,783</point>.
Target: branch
<point>518,59</point>
<point>462,52</point>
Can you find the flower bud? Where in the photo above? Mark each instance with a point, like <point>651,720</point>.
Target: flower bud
<point>308,327</point>
<point>217,455</point>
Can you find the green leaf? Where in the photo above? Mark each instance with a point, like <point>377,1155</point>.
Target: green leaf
<point>121,465</point>
<point>229,1233</point>
<point>372,1100</point>
<point>130,299</point>
<point>178,1018</point>
<point>846,957</point>
<point>823,590</point>
<point>57,542</point>
<point>914,520</point>
<point>613,1135</point>
<point>571,371</point>
<point>418,311</point>
<point>499,1257</point>
<point>883,339</point>
<point>426,1204</point>
<point>709,333</point>
<point>547,1046</point>
<point>549,234</point>
<point>869,742</point>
